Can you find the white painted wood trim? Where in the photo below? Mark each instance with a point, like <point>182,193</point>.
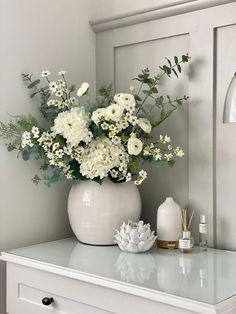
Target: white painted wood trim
<point>154,13</point>
<point>146,293</point>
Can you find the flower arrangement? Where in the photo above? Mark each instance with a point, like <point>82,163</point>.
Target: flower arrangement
<point>84,139</point>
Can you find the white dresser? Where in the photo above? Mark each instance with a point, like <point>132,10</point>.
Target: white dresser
<point>68,277</point>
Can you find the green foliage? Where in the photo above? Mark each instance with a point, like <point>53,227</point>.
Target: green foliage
<point>12,131</point>
<point>56,176</point>
<point>96,130</point>
<point>149,103</point>
<point>174,67</point>
<point>105,90</point>
<point>75,168</point>
<point>49,113</point>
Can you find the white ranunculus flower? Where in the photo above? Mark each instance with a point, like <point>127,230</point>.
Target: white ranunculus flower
<point>98,115</point>
<point>134,145</point>
<point>124,98</point>
<point>72,125</point>
<point>145,125</point>
<point>83,89</point>
<point>114,112</point>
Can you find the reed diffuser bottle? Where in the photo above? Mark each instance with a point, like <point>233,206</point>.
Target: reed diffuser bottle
<point>186,241</point>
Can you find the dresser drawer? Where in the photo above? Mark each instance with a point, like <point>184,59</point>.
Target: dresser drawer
<point>26,287</point>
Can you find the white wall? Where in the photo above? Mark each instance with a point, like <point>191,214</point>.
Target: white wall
<point>108,8</point>
<point>37,35</point>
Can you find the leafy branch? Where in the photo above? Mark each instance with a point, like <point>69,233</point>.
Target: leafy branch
<point>49,113</point>
<point>12,131</point>
<point>174,68</point>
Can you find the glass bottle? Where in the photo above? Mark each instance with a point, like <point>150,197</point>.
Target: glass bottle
<point>203,232</point>
<point>186,242</point>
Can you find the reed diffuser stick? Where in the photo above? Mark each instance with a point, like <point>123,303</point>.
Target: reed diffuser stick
<point>186,221</point>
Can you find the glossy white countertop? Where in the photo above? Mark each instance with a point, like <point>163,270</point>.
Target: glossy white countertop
<point>204,276</point>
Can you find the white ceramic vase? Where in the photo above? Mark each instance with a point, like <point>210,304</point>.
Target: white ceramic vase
<point>96,211</point>
<point>169,224</point>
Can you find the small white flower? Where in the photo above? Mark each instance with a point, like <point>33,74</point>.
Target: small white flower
<point>141,177</point>
<point>133,120</point>
<point>168,157</point>
<point>59,93</point>
<point>69,175</point>
<point>83,89</point>
<point>114,173</point>
<point>128,177</point>
<point>116,140</point>
<point>179,152</point>
<point>45,73</point>
<point>132,88</point>
<point>143,174</point>
<point>114,112</point>
<point>169,147</point>
<point>61,72</point>
<point>68,150</point>
<point>105,126</point>
<point>167,139</point>
<point>55,146</point>
<point>35,131</point>
<point>134,145</point>
<point>145,125</point>
<point>50,102</point>
<point>26,135</point>
<point>53,87</point>
<point>59,153</point>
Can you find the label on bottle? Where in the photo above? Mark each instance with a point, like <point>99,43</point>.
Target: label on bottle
<point>203,228</point>
<point>184,244</point>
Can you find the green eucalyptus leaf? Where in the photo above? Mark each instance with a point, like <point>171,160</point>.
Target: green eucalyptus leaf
<point>137,98</point>
<point>25,154</point>
<point>32,95</point>
<point>173,70</point>
<point>33,84</point>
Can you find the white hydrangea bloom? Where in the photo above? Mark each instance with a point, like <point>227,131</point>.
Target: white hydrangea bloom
<point>73,126</point>
<point>145,125</point>
<point>83,89</point>
<point>100,157</point>
<point>134,145</point>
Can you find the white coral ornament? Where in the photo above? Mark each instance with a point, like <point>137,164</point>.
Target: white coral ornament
<point>135,237</point>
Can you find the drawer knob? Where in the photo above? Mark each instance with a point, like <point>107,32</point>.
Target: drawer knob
<point>47,301</point>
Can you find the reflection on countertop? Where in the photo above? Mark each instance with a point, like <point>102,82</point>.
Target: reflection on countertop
<point>206,276</point>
